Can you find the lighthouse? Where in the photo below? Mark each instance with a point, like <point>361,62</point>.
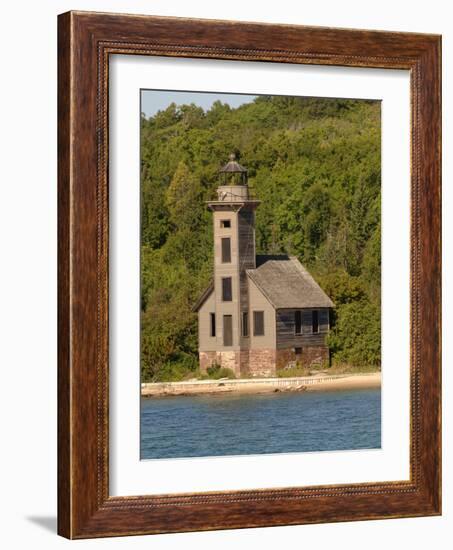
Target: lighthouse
<point>259,313</point>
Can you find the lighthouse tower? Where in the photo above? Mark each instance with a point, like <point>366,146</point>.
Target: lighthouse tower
<point>234,253</point>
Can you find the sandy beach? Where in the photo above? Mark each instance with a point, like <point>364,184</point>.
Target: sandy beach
<point>351,381</point>
<point>263,385</point>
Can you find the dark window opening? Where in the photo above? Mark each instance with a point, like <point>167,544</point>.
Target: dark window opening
<point>298,322</point>
<point>245,323</point>
<point>258,323</point>
<point>227,330</point>
<point>212,331</point>
<point>225,223</point>
<point>298,352</point>
<point>314,322</point>
<point>226,250</point>
<point>227,290</point>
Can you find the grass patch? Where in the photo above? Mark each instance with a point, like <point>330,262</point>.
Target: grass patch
<point>293,371</point>
<point>175,372</point>
<point>351,369</point>
<point>215,372</point>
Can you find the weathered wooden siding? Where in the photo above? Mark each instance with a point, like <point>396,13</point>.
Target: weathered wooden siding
<point>285,326</point>
<point>246,220</point>
<point>247,258</point>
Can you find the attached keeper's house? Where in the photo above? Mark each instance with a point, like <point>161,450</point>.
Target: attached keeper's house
<point>260,313</point>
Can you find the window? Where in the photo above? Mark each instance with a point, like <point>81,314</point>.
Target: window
<point>245,323</point>
<point>298,322</point>
<point>226,250</point>
<point>227,290</point>
<point>258,323</point>
<point>225,223</point>
<point>314,322</point>
<point>212,319</point>
<point>323,320</point>
<point>227,330</point>
<point>298,352</point>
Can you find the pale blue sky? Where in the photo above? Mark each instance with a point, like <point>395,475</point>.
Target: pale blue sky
<point>158,100</point>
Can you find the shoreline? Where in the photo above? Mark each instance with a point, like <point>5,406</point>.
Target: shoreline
<point>263,385</point>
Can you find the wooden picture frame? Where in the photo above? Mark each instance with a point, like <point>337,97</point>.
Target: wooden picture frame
<point>85,41</point>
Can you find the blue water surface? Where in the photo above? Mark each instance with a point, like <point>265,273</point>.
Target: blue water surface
<point>216,425</point>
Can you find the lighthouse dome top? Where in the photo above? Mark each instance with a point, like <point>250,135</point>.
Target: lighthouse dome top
<point>233,172</point>
<point>232,166</point>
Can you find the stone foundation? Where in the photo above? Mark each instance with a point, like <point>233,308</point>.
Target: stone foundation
<point>285,358</point>
<point>314,356</point>
<point>310,356</point>
<point>258,363</point>
<point>248,363</point>
<point>244,362</point>
<point>261,363</point>
<point>227,359</point>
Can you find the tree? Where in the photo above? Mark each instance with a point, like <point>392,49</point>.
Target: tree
<point>356,337</point>
<point>315,165</point>
<point>183,199</point>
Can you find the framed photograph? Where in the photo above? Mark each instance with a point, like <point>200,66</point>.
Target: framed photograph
<point>249,275</point>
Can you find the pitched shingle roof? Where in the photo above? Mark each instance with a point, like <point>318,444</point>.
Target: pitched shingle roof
<point>232,166</point>
<point>287,284</point>
<point>284,281</point>
<point>204,296</point>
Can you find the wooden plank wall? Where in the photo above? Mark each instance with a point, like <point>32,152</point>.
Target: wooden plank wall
<point>286,337</point>
<point>247,259</point>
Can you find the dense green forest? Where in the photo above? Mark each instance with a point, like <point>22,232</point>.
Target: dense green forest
<point>314,164</point>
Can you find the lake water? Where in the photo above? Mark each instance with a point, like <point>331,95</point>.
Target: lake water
<point>215,425</point>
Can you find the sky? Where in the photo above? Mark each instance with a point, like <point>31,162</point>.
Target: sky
<point>159,100</point>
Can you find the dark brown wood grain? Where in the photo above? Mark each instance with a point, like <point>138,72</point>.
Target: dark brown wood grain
<point>85,42</point>
<point>64,426</point>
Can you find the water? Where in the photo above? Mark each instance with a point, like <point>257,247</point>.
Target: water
<point>215,425</point>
